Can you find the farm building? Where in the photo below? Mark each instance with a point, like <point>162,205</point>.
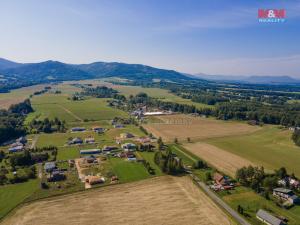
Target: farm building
<point>126,135</point>
<point>286,194</point>
<point>75,141</point>
<point>129,146</point>
<point>49,166</point>
<point>94,180</point>
<point>17,148</point>
<point>267,218</point>
<point>89,140</point>
<point>159,113</point>
<point>90,151</point>
<point>77,129</point>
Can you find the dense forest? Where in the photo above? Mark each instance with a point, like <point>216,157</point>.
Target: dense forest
<point>11,121</point>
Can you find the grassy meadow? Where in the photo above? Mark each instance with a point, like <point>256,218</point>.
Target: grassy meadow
<point>13,195</point>
<point>270,147</point>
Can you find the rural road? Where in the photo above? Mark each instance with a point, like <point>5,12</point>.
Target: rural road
<point>219,201</point>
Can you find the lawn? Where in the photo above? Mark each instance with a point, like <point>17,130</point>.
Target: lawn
<point>270,147</point>
<point>14,194</point>
<point>128,171</point>
<point>149,157</point>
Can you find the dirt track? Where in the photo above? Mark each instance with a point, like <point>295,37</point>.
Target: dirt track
<point>219,158</point>
<point>196,128</point>
<point>164,200</point>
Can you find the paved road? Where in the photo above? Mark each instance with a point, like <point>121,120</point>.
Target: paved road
<point>219,201</point>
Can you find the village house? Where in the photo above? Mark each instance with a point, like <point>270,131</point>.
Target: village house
<point>75,141</point>
<point>222,181</point>
<point>49,167</point>
<point>17,148</point>
<point>89,140</point>
<point>98,129</point>
<point>289,182</point>
<point>56,176</point>
<point>267,218</point>
<point>94,180</point>
<point>21,140</point>
<point>90,159</point>
<point>129,147</point>
<point>126,135</point>
<point>286,194</point>
<point>77,129</point>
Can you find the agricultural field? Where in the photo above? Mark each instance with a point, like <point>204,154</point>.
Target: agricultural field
<point>163,197</point>
<point>159,93</point>
<point>13,195</point>
<point>54,105</point>
<point>18,95</point>
<point>270,147</point>
<point>183,126</point>
<point>224,161</point>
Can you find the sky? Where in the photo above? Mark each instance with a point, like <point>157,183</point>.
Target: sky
<point>193,36</point>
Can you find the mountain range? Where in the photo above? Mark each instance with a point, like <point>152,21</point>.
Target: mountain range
<point>275,80</point>
<point>58,71</point>
<point>13,74</point>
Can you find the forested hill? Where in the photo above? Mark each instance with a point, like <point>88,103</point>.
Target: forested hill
<point>14,75</point>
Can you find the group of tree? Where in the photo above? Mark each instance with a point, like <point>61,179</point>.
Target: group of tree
<point>259,181</point>
<point>21,175</point>
<point>169,162</point>
<point>286,115</point>
<point>296,137</point>
<point>11,121</point>
<point>47,126</point>
<point>100,92</point>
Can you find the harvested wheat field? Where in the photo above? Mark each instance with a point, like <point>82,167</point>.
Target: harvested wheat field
<point>163,200</point>
<point>218,158</point>
<point>183,126</point>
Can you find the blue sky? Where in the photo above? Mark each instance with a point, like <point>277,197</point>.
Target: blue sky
<point>200,36</point>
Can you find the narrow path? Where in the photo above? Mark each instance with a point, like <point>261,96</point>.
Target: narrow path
<point>187,155</point>
<point>71,113</point>
<point>34,141</point>
<point>219,201</point>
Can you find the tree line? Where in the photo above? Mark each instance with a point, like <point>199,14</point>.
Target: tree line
<point>11,121</point>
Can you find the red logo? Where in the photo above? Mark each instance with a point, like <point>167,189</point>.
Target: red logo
<point>271,15</point>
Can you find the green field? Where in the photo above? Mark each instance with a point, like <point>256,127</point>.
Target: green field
<point>53,105</point>
<point>128,171</point>
<point>270,147</point>
<point>14,194</point>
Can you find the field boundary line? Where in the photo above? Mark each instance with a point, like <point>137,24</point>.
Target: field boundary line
<point>71,113</point>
